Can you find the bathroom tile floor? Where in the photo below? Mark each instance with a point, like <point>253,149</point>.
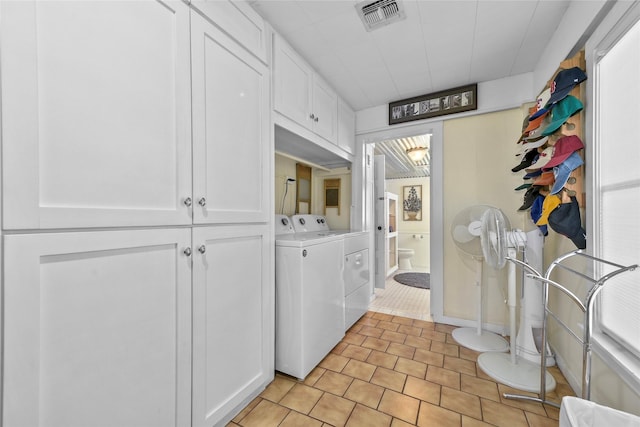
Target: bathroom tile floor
<point>402,300</point>
<point>393,371</point>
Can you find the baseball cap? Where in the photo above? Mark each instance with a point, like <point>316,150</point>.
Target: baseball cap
<point>548,205</point>
<point>533,174</point>
<point>563,148</point>
<point>546,178</point>
<point>526,161</point>
<point>536,134</point>
<point>541,102</point>
<point>523,186</point>
<point>530,197</point>
<point>528,146</point>
<point>564,109</point>
<point>543,158</point>
<point>536,211</point>
<point>564,82</point>
<point>563,171</point>
<point>565,220</point>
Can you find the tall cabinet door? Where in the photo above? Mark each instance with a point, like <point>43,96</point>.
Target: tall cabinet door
<point>233,338</point>
<point>293,84</point>
<point>97,329</point>
<point>231,134</point>
<point>96,113</point>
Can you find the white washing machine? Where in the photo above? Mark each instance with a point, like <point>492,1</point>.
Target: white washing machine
<point>309,298</point>
<point>357,289</point>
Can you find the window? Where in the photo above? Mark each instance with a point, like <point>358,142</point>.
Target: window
<point>616,165</point>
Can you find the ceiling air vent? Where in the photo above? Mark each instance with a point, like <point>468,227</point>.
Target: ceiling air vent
<point>380,13</point>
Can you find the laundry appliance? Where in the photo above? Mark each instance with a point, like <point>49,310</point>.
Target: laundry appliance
<point>357,292</point>
<point>309,297</point>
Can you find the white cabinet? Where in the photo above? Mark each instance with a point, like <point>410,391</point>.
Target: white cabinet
<point>346,127</point>
<point>232,319</point>
<point>302,95</point>
<point>96,105</point>
<point>230,129</point>
<point>240,21</point>
<point>97,329</point>
<point>100,164</point>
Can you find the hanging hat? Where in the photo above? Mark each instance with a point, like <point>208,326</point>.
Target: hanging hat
<point>526,161</point>
<point>523,186</point>
<point>564,82</point>
<point>529,197</point>
<point>561,112</point>
<point>543,158</point>
<point>565,220</point>
<point>545,179</point>
<point>533,174</point>
<point>563,148</point>
<point>562,172</point>
<point>536,211</point>
<point>541,102</point>
<point>548,205</point>
<point>536,134</point>
<point>528,146</point>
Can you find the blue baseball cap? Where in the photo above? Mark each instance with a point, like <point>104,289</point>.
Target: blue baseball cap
<point>564,82</point>
<point>536,213</point>
<point>563,171</point>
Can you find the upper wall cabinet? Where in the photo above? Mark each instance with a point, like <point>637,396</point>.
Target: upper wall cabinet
<point>230,129</point>
<point>240,21</point>
<point>302,95</point>
<point>96,109</point>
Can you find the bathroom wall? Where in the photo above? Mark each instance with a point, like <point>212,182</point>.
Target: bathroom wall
<point>413,234</point>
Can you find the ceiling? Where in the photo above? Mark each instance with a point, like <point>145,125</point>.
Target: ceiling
<point>439,45</point>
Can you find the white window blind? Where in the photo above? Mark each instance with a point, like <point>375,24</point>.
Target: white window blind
<point>617,173</point>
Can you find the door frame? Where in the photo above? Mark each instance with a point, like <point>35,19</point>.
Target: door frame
<point>363,198</point>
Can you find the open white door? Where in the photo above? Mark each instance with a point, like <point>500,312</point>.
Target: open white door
<point>379,215</point>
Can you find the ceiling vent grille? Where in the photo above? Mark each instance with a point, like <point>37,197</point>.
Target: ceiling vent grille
<point>380,13</point>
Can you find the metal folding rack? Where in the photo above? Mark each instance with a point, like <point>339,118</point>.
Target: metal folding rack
<point>586,307</point>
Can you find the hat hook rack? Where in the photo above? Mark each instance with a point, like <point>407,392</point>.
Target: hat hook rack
<point>586,306</point>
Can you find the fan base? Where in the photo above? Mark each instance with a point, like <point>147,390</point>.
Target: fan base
<point>523,375</point>
<point>485,341</point>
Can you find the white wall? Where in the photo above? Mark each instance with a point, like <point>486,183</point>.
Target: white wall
<point>413,234</point>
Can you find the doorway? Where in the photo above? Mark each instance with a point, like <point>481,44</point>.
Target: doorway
<point>417,226</point>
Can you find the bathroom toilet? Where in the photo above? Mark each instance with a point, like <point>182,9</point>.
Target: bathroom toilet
<point>404,258</point>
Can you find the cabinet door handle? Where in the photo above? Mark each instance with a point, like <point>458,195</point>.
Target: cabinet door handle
<point>312,116</point>
<point>187,202</point>
<point>316,119</point>
<point>202,202</point>
<point>202,249</point>
<point>187,251</point>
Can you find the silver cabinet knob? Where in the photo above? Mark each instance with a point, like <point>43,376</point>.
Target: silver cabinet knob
<point>187,202</point>
<point>312,116</point>
<point>202,202</point>
<point>202,249</point>
<point>187,251</point>
<point>316,119</point>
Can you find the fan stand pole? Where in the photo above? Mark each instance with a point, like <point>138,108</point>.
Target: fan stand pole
<point>475,338</point>
<point>510,369</point>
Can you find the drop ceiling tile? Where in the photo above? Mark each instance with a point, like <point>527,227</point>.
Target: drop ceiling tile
<point>320,10</point>
<point>285,16</point>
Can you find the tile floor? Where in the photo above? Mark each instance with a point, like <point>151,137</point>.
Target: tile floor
<point>393,371</point>
<point>402,300</point>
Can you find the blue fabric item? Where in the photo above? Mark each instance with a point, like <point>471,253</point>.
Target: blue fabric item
<point>536,213</point>
<point>563,171</point>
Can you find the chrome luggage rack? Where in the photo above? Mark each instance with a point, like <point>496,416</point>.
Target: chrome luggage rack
<point>586,307</point>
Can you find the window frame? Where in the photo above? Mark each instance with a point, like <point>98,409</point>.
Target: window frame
<point>616,24</point>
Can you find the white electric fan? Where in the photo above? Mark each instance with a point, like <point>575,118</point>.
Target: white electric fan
<point>466,232</point>
<point>518,369</point>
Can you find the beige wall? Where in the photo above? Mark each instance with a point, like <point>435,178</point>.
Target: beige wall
<point>479,152</point>
<point>413,234</point>
<point>285,167</point>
